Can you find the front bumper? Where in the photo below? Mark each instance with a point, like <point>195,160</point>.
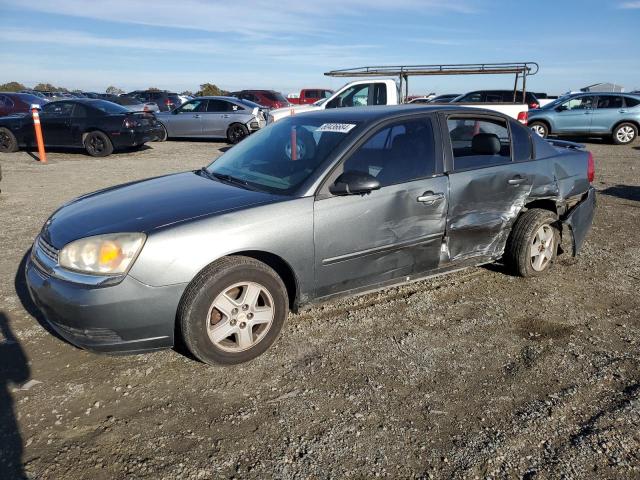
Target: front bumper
<point>129,317</point>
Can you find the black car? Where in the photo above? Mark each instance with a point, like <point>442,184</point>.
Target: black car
<point>98,126</point>
<point>165,100</point>
<point>498,96</point>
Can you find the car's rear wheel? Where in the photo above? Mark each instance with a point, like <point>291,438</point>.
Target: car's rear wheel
<point>625,133</point>
<point>97,144</point>
<point>540,128</point>
<point>233,311</point>
<point>533,243</point>
<point>8,141</point>
<point>163,134</point>
<point>236,133</point>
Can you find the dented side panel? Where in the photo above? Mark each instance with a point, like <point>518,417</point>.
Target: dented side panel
<point>580,218</point>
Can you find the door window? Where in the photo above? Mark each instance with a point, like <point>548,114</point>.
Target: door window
<point>609,101</point>
<point>6,102</point>
<point>472,98</point>
<point>479,142</point>
<point>218,106</point>
<point>58,109</point>
<point>399,153</point>
<point>194,106</point>
<point>494,97</point>
<point>80,111</point>
<point>580,103</point>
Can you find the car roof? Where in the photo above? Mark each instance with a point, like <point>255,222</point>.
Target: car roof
<point>380,112</point>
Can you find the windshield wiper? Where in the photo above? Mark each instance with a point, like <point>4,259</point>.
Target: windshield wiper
<point>231,179</point>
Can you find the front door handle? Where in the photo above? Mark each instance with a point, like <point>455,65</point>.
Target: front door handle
<point>622,111</point>
<point>430,198</point>
<point>196,116</point>
<point>225,116</point>
<point>517,180</point>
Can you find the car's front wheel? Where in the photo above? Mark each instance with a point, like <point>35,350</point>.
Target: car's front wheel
<point>163,134</point>
<point>233,311</point>
<point>97,144</point>
<point>236,133</point>
<point>540,128</point>
<point>533,243</point>
<point>624,134</point>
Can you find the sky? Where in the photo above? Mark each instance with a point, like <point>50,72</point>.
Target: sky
<point>289,44</point>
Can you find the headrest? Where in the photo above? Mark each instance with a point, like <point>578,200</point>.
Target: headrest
<point>485,144</point>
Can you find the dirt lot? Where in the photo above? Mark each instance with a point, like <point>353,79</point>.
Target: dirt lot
<point>474,375</point>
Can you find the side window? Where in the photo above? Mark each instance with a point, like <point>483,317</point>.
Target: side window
<point>379,94</point>
<point>234,107</point>
<point>522,147</point>
<point>580,103</point>
<point>472,97</point>
<point>194,106</point>
<point>610,101</point>
<point>398,153</point>
<point>80,111</point>
<point>631,102</point>
<point>492,97</point>
<point>479,142</point>
<point>6,102</point>
<point>218,106</point>
<point>58,109</point>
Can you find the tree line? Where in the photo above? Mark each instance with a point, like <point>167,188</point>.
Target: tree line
<point>205,89</point>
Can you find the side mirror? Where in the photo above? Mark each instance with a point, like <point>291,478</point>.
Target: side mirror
<point>561,108</point>
<point>175,111</point>
<point>354,183</point>
<point>333,103</point>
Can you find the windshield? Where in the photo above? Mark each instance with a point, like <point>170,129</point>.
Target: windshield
<point>108,107</point>
<point>266,161</point>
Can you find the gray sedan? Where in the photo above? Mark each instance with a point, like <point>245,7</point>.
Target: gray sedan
<point>213,117</point>
<point>315,206</point>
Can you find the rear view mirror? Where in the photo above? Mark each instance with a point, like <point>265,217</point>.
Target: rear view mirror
<point>353,183</point>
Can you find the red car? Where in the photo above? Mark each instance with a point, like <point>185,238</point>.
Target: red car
<point>311,95</point>
<point>265,98</point>
<point>11,102</point>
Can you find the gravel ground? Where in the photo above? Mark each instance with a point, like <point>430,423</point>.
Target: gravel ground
<point>474,375</point>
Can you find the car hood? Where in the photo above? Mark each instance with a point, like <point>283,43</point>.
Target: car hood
<point>147,205</point>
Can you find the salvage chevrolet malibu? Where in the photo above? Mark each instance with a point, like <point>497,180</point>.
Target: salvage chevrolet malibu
<point>315,206</point>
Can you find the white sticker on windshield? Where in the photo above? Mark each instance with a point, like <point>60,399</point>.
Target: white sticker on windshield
<point>336,127</point>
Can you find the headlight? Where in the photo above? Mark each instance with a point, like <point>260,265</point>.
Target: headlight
<point>102,254</point>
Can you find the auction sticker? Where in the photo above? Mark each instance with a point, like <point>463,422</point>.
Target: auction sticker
<point>336,127</point>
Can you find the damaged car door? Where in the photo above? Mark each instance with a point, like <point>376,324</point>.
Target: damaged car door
<point>487,187</point>
<point>380,215</point>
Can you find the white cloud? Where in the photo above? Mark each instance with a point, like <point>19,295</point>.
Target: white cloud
<point>630,5</point>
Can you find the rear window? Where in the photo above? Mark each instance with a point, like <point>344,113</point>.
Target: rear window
<point>109,108</point>
<point>126,101</point>
<point>275,96</point>
<point>28,98</point>
<point>175,100</point>
<point>632,101</point>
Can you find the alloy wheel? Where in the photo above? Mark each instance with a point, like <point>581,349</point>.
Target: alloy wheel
<point>240,317</point>
<point>625,134</point>
<point>542,248</point>
<point>539,129</point>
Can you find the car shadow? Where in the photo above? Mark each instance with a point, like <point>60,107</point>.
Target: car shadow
<point>197,140</point>
<point>20,286</point>
<point>627,192</point>
<point>33,152</point>
<point>14,369</point>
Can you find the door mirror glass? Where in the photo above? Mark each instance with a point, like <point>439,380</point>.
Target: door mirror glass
<point>354,183</point>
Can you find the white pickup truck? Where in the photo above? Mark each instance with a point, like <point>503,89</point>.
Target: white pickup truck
<point>382,92</point>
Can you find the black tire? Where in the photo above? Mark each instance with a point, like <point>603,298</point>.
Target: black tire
<point>98,144</point>
<point>541,128</point>
<point>164,135</point>
<point>625,133</point>
<point>196,312</point>
<point>8,141</point>
<point>518,254</point>
<point>236,133</point>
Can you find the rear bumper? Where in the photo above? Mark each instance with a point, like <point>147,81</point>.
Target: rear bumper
<point>136,137</point>
<point>580,218</point>
<point>129,317</point>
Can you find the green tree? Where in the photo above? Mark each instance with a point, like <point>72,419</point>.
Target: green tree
<point>12,87</point>
<point>187,92</point>
<point>111,90</point>
<point>154,89</point>
<point>47,87</point>
<point>207,89</point>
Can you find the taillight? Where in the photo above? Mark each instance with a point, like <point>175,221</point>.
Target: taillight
<point>534,105</point>
<point>591,168</point>
<point>129,123</point>
<point>523,117</point>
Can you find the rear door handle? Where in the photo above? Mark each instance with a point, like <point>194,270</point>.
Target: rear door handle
<point>622,111</point>
<point>430,198</point>
<point>517,180</point>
